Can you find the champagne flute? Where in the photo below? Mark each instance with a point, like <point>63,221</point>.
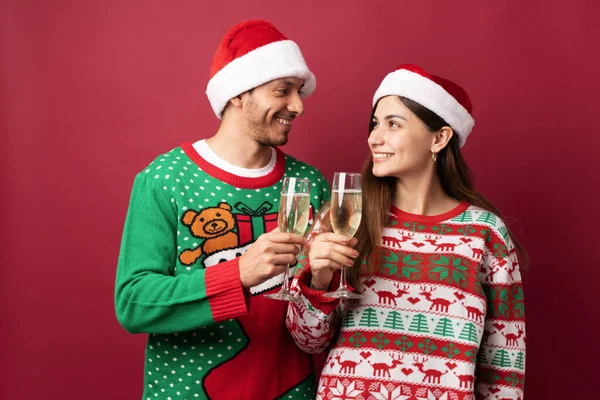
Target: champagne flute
<point>294,207</point>
<point>345,215</point>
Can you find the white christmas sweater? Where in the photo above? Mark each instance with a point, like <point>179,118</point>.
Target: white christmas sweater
<point>442,318</point>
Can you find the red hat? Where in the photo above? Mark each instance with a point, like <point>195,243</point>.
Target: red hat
<point>445,98</point>
<point>253,53</point>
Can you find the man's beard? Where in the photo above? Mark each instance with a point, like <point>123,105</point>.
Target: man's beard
<point>261,136</point>
<point>259,130</point>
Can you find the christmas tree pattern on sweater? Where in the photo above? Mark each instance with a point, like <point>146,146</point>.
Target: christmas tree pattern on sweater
<point>178,280</point>
<point>443,318</point>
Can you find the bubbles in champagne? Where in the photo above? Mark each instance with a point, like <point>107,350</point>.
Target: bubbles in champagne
<point>346,214</point>
<point>293,213</point>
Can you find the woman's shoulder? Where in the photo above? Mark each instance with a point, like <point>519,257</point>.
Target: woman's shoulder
<point>488,220</point>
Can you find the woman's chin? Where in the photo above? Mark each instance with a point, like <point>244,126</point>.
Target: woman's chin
<point>380,172</point>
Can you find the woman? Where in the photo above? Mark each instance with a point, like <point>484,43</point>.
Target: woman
<point>442,312</point>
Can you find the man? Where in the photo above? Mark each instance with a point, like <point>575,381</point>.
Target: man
<point>199,250</point>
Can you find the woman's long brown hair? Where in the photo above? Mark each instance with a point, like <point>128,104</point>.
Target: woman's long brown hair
<point>456,179</point>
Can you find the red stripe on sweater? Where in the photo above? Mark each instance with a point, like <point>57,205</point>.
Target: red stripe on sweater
<point>235,180</point>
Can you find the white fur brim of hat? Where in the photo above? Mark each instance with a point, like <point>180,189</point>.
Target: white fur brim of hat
<point>430,95</point>
<point>272,61</point>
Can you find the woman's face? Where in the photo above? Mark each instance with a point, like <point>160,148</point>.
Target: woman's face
<point>400,142</point>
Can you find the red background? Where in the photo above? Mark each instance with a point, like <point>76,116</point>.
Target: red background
<point>92,91</point>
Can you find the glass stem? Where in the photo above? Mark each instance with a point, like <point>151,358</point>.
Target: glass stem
<point>343,280</point>
<point>286,286</point>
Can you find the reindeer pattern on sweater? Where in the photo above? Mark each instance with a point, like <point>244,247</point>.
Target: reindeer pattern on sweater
<point>442,318</point>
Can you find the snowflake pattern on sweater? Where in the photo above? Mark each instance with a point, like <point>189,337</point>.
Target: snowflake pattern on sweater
<point>442,318</point>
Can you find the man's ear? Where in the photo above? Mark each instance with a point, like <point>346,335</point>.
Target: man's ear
<point>236,101</point>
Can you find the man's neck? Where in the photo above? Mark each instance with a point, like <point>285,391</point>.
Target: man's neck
<point>233,145</point>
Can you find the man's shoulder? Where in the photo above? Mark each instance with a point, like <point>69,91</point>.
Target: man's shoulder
<point>294,163</point>
<point>165,160</point>
<point>165,168</point>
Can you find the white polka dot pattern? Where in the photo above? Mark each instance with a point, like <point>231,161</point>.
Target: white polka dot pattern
<point>176,364</point>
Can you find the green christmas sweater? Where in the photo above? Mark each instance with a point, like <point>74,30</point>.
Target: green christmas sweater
<point>442,318</point>
<point>188,222</point>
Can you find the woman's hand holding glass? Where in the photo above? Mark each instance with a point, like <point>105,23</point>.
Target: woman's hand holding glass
<point>329,252</point>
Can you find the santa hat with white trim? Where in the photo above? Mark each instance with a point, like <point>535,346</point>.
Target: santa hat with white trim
<point>253,53</point>
<point>445,98</point>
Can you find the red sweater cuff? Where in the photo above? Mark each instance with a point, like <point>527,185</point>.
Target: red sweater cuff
<point>315,297</point>
<point>224,291</point>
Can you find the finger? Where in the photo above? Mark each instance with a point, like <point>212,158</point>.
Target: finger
<point>282,248</point>
<point>277,269</point>
<point>323,249</point>
<point>339,254</point>
<point>352,242</point>
<point>324,263</point>
<point>282,267</point>
<point>289,238</point>
<point>283,259</point>
<point>331,237</point>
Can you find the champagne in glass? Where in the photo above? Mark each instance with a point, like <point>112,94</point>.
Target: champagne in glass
<point>294,207</point>
<point>345,214</point>
<point>293,213</point>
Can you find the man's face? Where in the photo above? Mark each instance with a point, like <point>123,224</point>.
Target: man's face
<point>270,109</point>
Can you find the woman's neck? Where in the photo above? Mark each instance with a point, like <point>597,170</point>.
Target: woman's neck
<point>422,196</point>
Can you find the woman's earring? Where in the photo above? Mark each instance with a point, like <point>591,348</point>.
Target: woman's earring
<point>434,157</point>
